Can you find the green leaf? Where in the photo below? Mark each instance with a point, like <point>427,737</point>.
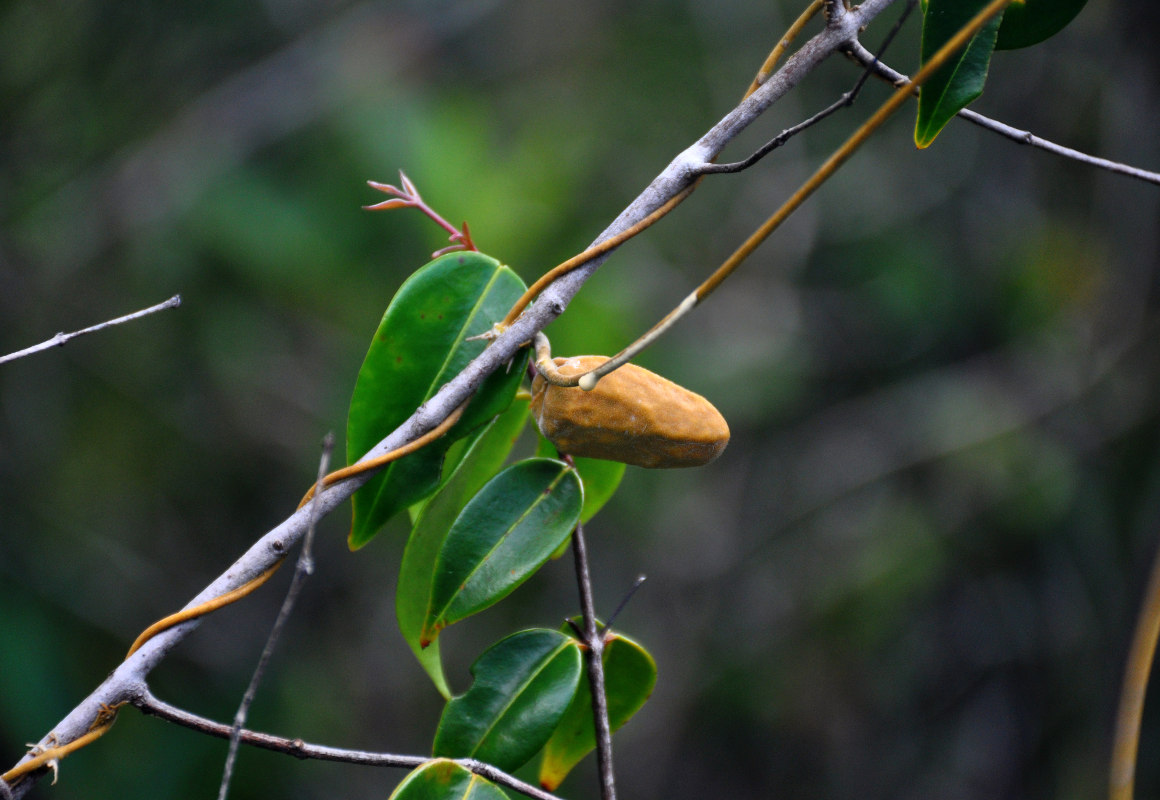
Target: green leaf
<point>482,459</point>
<point>441,779</point>
<point>420,345</point>
<point>503,535</point>
<point>1028,22</point>
<point>630,674</point>
<point>522,686</point>
<point>961,79</point>
<point>599,476</point>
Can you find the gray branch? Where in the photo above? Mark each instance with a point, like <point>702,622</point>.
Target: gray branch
<point>61,339</point>
<point>127,681</point>
<point>150,704</point>
<point>866,58</point>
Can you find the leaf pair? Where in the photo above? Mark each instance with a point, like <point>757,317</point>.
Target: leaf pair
<point>531,692</point>
<point>960,81</point>
<point>630,674</point>
<point>479,537</point>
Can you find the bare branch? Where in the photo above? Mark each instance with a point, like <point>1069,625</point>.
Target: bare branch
<point>303,570</point>
<point>594,658</point>
<point>62,339</point>
<point>845,101</point>
<point>148,703</point>
<point>865,57</point>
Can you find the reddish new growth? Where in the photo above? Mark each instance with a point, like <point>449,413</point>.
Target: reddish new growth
<point>409,197</point>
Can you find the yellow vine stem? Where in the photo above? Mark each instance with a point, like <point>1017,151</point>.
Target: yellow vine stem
<point>783,44</point>
<point>202,609</point>
<point>592,252</point>
<point>589,379</point>
<point>1122,778</point>
<point>105,719</point>
<point>386,458</point>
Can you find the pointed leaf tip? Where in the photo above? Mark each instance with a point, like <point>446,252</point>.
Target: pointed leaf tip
<point>959,81</point>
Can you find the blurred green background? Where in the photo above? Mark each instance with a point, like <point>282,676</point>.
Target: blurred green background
<point>913,573</point>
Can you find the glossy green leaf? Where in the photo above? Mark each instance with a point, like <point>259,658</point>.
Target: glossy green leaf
<point>523,684</point>
<point>1028,22</point>
<point>421,344</point>
<point>503,535</point>
<point>442,779</point>
<point>482,459</point>
<point>599,476</point>
<point>960,80</point>
<point>630,674</point>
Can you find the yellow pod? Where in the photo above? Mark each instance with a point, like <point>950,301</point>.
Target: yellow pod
<point>632,415</point>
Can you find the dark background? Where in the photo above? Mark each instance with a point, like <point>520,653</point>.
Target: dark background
<point>913,573</point>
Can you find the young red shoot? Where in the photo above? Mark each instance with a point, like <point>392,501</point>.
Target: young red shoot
<point>409,197</point>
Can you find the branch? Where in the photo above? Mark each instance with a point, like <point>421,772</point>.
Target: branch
<point>127,681</point>
<point>148,703</point>
<point>594,656</point>
<point>303,570</point>
<point>845,101</point>
<point>866,58</point>
<point>62,339</point>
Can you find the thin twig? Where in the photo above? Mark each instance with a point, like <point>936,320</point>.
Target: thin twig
<point>845,101</point>
<point>639,582</point>
<point>303,570</point>
<point>63,338</point>
<point>1026,137</point>
<point>150,704</point>
<point>594,655</point>
<point>865,57</point>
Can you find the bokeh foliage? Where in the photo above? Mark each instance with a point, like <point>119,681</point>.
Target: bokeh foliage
<point>912,573</point>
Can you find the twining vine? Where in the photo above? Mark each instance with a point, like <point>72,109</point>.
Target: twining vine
<point>438,403</point>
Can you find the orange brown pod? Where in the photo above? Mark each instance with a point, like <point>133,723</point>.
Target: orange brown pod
<point>632,415</point>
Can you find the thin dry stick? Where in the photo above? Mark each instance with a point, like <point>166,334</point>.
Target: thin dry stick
<point>1122,778</point>
<point>62,339</point>
<point>303,570</point>
<point>845,101</point>
<point>859,53</point>
<point>588,380</point>
<point>594,655</point>
<point>148,703</point>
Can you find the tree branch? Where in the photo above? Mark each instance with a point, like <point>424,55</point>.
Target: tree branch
<point>860,54</point>
<point>127,681</point>
<point>150,704</point>
<point>62,339</point>
<point>303,569</point>
<point>594,656</point>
